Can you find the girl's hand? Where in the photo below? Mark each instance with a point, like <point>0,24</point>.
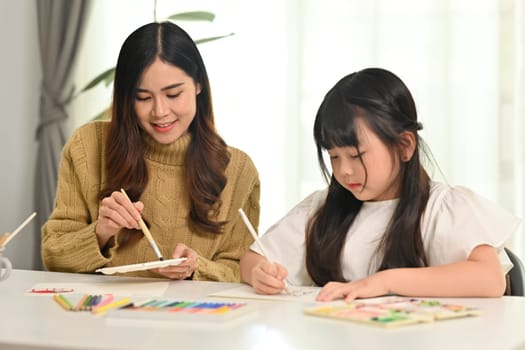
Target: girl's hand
<point>268,277</point>
<point>186,268</point>
<point>115,213</point>
<point>372,286</point>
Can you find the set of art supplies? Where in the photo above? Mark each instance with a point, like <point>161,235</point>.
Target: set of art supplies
<point>155,309</point>
<point>386,312</point>
<point>175,309</point>
<point>393,311</point>
<point>97,304</point>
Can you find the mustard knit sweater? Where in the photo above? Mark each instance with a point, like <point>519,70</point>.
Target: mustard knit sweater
<point>69,242</point>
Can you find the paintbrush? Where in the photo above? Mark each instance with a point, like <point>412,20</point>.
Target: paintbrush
<point>145,230</point>
<point>6,237</point>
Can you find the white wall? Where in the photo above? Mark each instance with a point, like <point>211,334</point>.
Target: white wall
<point>20,76</point>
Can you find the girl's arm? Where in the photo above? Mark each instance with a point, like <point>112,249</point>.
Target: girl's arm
<point>478,276</point>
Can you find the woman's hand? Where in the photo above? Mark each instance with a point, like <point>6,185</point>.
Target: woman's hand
<point>372,286</point>
<point>184,269</point>
<point>115,213</point>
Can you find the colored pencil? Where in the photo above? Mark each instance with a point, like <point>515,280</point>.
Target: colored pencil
<point>113,305</point>
<point>253,233</point>
<point>109,299</point>
<point>63,301</point>
<point>257,240</point>
<point>87,303</point>
<point>95,301</point>
<point>81,302</point>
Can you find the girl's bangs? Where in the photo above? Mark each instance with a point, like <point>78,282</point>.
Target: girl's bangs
<point>336,126</point>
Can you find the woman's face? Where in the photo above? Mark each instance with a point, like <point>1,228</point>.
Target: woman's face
<point>166,101</point>
<point>382,168</point>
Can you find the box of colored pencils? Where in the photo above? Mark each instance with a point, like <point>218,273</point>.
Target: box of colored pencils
<point>174,309</point>
<point>89,302</point>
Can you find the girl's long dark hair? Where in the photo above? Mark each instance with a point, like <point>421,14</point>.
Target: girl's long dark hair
<point>207,156</point>
<point>385,104</point>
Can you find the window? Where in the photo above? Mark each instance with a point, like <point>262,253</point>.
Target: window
<point>462,61</point>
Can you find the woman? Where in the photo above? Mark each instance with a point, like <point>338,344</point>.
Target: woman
<point>161,146</point>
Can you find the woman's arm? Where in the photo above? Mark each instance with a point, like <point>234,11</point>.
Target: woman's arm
<point>69,242</point>
<point>478,276</point>
<point>223,265</point>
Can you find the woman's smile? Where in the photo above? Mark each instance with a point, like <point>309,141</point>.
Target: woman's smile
<point>164,127</point>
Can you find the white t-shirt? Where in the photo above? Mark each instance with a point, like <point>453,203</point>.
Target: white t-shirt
<point>455,221</point>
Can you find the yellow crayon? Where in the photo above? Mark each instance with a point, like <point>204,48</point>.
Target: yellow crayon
<point>113,305</point>
<point>62,301</point>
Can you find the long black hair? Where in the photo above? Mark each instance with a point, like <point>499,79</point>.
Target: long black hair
<point>386,105</point>
<point>207,156</point>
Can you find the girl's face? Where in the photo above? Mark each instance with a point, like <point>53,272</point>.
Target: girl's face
<point>166,101</point>
<point>383,169</point>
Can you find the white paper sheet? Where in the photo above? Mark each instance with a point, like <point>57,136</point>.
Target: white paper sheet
<point>303,294</point>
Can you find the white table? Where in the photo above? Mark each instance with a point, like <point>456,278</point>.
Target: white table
<point>29,322</point>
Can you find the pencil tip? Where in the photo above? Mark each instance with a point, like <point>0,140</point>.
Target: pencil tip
<point>161,258</point>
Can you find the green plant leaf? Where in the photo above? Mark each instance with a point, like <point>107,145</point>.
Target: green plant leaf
<point>193,16</point>
<point>205,40</point>
<point>108,75</point>
<point>105,77</point>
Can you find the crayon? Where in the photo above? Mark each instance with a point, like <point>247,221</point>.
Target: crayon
<point>87,303</point>
<point>113,305</point>
<point>80,303</point>
<point>95,301</point>
<point>63,301</point>
<point>109,299</point>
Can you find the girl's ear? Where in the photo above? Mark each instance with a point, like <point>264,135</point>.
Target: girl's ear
<point>407,145</point>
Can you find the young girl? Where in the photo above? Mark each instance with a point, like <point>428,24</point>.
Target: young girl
<point>382,226</point>
<point>162,147</point>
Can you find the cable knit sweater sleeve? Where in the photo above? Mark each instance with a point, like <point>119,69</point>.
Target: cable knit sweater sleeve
<point>69,242</point>
<point>242,191</point>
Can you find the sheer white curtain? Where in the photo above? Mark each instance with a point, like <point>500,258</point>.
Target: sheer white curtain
<point>463,61</point>
<point>516,112</point>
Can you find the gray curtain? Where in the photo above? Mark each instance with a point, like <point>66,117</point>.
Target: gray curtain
<point>60,25</point>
